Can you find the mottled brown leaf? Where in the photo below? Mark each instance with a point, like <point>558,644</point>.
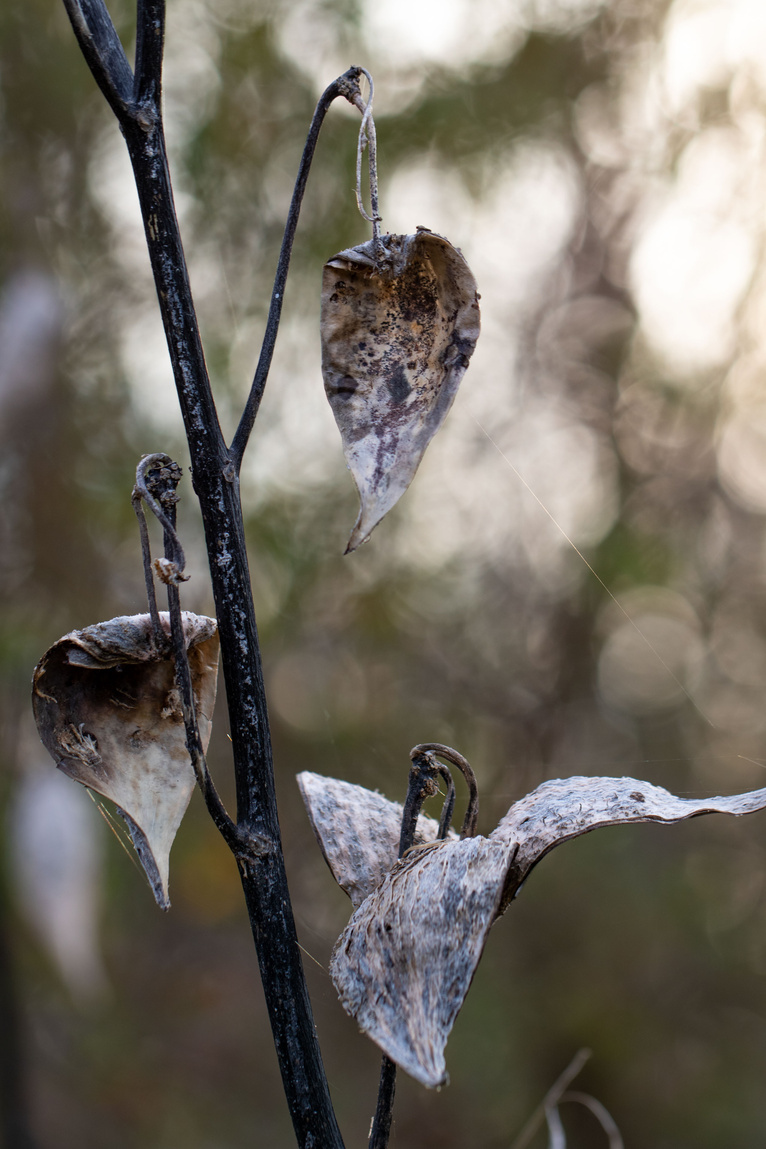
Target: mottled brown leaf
<point>397,335</point>
<point>108,712</point>
<point>403,965</point>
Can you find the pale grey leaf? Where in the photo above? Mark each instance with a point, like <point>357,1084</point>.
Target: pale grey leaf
<point>405,961</point>
<point>403,965</point>
<point>397,335</point>
<point>565,808</point>
<point>108,712</point>
<point>358,831</point>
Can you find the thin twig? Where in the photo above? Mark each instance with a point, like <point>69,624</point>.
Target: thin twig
<point>157,477</point>
<point>602,1115</point>
<point>103,52</point>
<point>165,514</point>
<point>368,138</point>
<point>472,811</point>
<point>551,1099</point>
<point>159,633</point>
<point>380,1130</point>
<point>346,85</point>
<point>421,785</point>
<point>448,808</point>
<point>244,844</point>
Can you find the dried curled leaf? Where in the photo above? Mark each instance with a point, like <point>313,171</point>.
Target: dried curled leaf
<point>565,808</point>
<point>403,965</point>
<point>108,712</point>
<point>358,831</point>
<point>397,335</point>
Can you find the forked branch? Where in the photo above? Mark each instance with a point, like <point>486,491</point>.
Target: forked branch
<point>135,101</point>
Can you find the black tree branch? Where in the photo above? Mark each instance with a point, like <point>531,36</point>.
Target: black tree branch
<point>217,486</point>
<point>103,52</point>
<point>150,42</point>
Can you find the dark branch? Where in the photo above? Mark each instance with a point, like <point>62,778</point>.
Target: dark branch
<point>384,1112</point>
<point>422,784</point>
<point>217,486</point>
<point>103,52</point>
<point>448,808</point>
<point>150,43</point>
<point>157,631</point>
<point>346,85</point>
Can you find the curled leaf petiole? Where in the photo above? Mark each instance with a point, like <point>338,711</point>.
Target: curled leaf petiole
<point>449,804</point>
<point>160,639</point>
<point>157,477</point>
<point>368,139</point>
<point>346,86</point>
<point>428,750</point>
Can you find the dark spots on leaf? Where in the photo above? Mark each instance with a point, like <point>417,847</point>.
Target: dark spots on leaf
<point>346,385</point>
<point>398,384</point>
<point>138,740</point>
<point>637,796</point>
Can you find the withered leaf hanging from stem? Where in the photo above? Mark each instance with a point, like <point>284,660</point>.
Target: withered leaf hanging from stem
<point>399,324</point>
<point>404,963</point>
<point>108,711</point>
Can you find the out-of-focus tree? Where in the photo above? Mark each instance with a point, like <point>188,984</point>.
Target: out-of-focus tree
<point>601,166</point>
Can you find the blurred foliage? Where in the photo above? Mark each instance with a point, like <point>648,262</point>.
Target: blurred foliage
<point>645,944</point>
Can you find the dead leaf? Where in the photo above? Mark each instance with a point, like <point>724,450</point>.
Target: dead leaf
<point>108,712</point>
<point>358,831</point>
<point>404,963</point>
<point>397,336</point>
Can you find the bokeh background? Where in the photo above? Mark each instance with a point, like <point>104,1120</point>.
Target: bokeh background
<point>601,163</point>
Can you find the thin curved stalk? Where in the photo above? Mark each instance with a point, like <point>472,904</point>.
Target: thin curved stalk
<point>157,477</point>
<point>472,811</point>
<point>103,52</point>
<point>154,614</point>
<point>421,785</point>
<point>346,85</point>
